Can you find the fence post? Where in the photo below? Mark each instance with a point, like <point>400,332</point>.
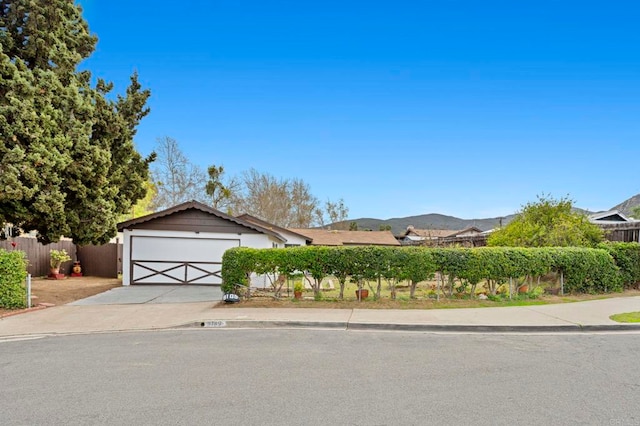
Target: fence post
<point>510,288</point>
<point>28,290</point>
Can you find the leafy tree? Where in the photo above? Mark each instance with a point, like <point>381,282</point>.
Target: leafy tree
<point>635,212</point>
<point>144,206</point>
<point>353,226</point>
<point>548,222</point>
<point>384,227</point>
<point>67,155</point>
<point>218,191</point>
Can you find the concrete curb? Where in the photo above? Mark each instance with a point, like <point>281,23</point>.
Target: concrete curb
<point>452,328</point>
<point>267,324</point>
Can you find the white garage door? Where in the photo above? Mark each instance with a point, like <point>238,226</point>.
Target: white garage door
<point>167,260</point>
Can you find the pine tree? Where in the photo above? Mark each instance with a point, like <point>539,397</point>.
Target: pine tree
<point>68,165</point>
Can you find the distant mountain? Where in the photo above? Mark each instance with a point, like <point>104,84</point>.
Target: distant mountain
<point>440,221</point>
<point>427,221</point>
<point>626,206</point>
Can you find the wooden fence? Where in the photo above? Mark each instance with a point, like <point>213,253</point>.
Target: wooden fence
<point>97,261</point>
<point>101,261</point>
<point>624,231</point>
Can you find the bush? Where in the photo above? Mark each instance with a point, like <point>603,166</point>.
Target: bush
<point>584,269</point>
<point>13,273</point>
<point>627,257</point>
<point>237,265</point>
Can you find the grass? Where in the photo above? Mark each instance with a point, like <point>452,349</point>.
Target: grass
<point>626,317</point>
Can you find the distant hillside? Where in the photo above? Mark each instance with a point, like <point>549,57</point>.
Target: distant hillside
<point>429,221</point>
<point>440,221</point>
<point>626,206</point>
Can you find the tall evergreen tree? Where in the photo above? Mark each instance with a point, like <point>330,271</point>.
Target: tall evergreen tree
<point>68,165</point>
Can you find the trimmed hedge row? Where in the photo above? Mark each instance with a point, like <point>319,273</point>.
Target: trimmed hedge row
<point>584,269</point>
<point>627,257</point>
<point>13,272</point>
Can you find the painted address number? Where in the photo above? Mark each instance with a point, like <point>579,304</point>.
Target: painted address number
<point>215,324</point>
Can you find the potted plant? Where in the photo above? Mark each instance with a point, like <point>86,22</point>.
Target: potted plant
<point>298,289</point>
<point>361,293</point>
<point>58,257</point>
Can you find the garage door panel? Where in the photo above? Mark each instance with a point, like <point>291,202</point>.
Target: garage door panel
<point>161,272</point>
<point>204,273</point>
<point>180,249</point>
<point>166,260</point>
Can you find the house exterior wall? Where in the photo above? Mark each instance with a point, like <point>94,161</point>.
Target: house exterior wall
<point>292,240</point>
<point>187,253</point>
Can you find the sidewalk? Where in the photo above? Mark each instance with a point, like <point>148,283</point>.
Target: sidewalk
<point>581,316</point>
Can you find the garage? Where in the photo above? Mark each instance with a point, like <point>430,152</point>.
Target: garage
<point>184,244</point>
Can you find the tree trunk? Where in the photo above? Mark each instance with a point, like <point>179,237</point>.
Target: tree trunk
<point>342,284</point>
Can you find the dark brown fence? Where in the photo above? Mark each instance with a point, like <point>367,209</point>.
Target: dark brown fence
<point>38,254</point>
<point>625,231</point>
<point>98,261</point>
<point>101,261</point>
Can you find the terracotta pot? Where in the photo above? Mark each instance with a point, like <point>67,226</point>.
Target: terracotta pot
<point>362,294</point>
<point>297,294</point>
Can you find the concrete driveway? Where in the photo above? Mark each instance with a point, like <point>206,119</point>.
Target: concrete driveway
<point>153,294</point>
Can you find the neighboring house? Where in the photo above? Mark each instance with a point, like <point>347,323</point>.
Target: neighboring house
<point>185,243</point>
<point>293,239</point>
<point>328,237</point>
<point>413,236</point>
<point>617,226</point>
<point>610,217</point>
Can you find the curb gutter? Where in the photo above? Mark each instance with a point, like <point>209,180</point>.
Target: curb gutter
<point>412,327</point>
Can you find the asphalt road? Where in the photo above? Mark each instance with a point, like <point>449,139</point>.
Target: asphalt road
<point>317,377</point>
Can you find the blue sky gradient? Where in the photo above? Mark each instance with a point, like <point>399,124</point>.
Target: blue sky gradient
<point>401,108</point>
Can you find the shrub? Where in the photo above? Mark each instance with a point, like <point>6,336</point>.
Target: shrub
<point>237,265</point>
<point>13,272</point>
<point>627,257</point>
<point>584,269</point>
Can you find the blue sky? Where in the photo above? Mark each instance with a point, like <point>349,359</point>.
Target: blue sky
<point>401,108</point>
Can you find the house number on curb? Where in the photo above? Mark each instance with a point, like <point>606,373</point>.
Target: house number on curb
<point>215,324</point>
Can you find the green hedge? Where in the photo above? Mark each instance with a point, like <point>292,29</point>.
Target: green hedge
<point>627,257</point>
<point>583,269</point>
<point>586,270</point>
<point>13,272</point>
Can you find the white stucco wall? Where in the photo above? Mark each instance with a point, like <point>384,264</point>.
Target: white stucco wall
<point>293,239</point>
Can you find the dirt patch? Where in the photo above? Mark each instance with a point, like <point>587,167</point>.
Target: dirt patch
<point>266,300</point>
<point>60,292</point>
